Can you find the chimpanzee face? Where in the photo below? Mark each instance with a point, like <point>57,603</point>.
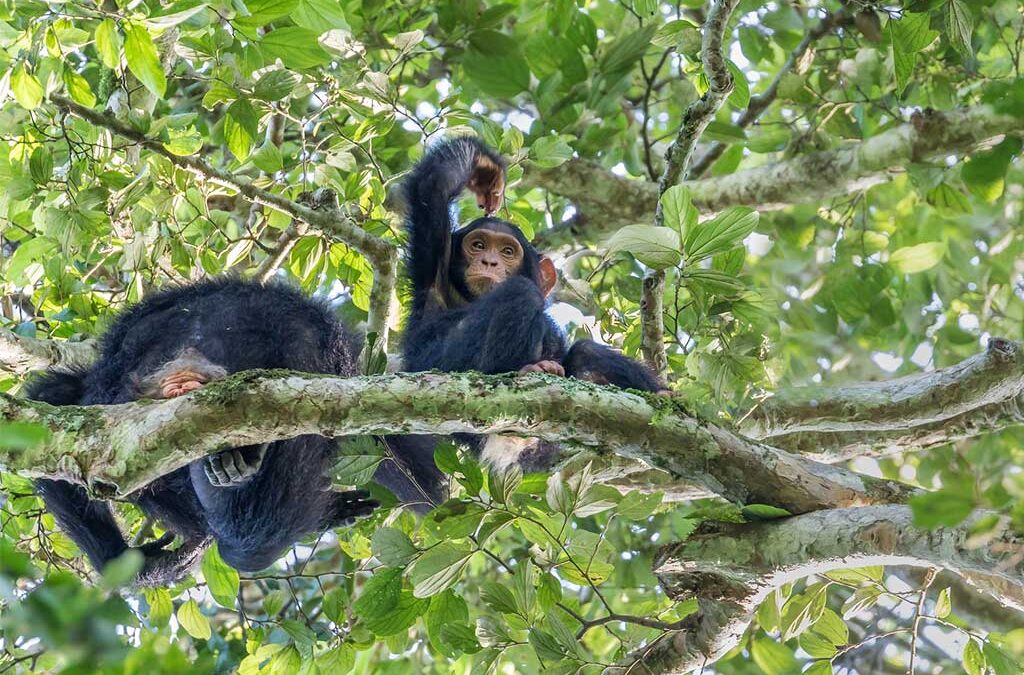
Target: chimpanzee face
<point>491,257</point>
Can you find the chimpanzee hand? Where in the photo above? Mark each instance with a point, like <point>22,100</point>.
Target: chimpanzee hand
<point>549,367</point>
<point>234,467</point>
<point>351,505</point>
<point>487,182</point>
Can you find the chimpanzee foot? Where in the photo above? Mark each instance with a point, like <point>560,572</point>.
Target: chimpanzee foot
<point>234,467</point>
<point>549,367</point>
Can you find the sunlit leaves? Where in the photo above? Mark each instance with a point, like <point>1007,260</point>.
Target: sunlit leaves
<point>108,43</point>
<point>319,16</point>
<point>240,128</point>
<point>143,59</point>
<point>193,621</point>
<point>723,232</point>
<point>656,247</point>
<point>393,547</point>
<point>959,27</point>
<point>274,85</point>
<point>918,258</point>
<point>438,568</point>
<point>297,47</point>
<point>550,151</point>
<point>26,88</point>
<point>948,507</point>
<point>221,578</point>
<point>496,64</point>
<point>909,35</point>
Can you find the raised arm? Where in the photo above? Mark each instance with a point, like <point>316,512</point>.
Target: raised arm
<point>434,183</point>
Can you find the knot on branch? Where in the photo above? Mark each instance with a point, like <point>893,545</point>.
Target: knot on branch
<point>321,199</point>
<point>1003,349</point>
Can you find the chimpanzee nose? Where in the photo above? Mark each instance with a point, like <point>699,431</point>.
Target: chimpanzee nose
<point>489,260</point>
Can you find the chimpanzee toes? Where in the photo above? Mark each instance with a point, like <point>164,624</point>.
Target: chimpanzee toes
<point>549,367</point>
<point>233,467</point>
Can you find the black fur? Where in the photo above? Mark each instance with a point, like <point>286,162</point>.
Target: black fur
<point>238,326</point>
<point>505,329</point>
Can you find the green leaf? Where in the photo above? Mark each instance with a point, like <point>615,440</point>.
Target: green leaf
<point>275,85</point>
<point>973,660</point>
<point>357,461</point>
<point>108,44</point>
<point>862,600</point>
<point>495,63</point>
<point>183,142</point>
<point>668,34</point>
<point>193,621</point>
<point>656,247</point>
<point>319,16</point>
<point>908,36</point>
<point>774,658</point>
<point>550,151</point>
<point>28,92</point>
<point>221,578</point>
<point>392,547</point>
<point>241,125</point>
<point>160,606</point>
<point>438,568</point>
<point>999,661</point>
<point>755,512</point>
<point>262,12</point>
<point>446,609</point>
<point>950,201</point>
<point>943,605</point>
<point>297,47</point>
<point>143,60</point>
<point>172,19</point>
<point>498,597</point>
<point>942,508</point>
<point>622,54</point>
<point>400,617</point>
<point>637,505</point>
<point>740,96</point>
<point>984,173</point>
<point>723,232</point>
<point>816,646</point>
<point>40,165</point>
<point>446,458</point>
<point>858,575</point>
<point>802,611</point>
<point>960,27</point>
<point>678,211</point>
<point>831,627</point>
<point>913,259</point>
<point>78,87</point>
<point>267,158</point>
<point>503,483</point>
<point>22,435</point>
<point>380,595</point>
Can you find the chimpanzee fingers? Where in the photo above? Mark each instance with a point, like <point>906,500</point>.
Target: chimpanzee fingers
<point>235,466</point>
<point>549,367</point>
<point>156,546</point>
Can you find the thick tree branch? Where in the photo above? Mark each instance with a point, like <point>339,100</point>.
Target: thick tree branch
<point>381,253</point>
<point>907,410</point>
<point>609,202</point>
<point>677,157</point>
<point>20,354</point>
<point>118,449</point>
<point>732,571</point>
<point>799,60</point>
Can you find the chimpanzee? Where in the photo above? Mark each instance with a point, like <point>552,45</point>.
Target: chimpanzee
<point>255,501</point>
<point>479,293</point>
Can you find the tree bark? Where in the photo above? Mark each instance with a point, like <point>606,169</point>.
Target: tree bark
<point>608,202</point>
<point>733,570</point>
<point>118,449</point>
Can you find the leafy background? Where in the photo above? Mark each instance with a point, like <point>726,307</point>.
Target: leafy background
<point>518,574</point>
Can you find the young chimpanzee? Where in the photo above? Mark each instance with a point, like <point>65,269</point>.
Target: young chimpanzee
<point>255,501</point>
<point>479,293</point>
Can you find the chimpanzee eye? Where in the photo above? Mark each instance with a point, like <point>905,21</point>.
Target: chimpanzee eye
<point>508,251</point>
<point>478,245</point>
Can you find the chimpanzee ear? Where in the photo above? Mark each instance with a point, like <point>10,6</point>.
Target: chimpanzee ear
<point>548,275</point>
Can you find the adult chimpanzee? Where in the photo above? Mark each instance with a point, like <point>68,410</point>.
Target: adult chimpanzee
<point>255,501</point>
<point>479,293</point>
